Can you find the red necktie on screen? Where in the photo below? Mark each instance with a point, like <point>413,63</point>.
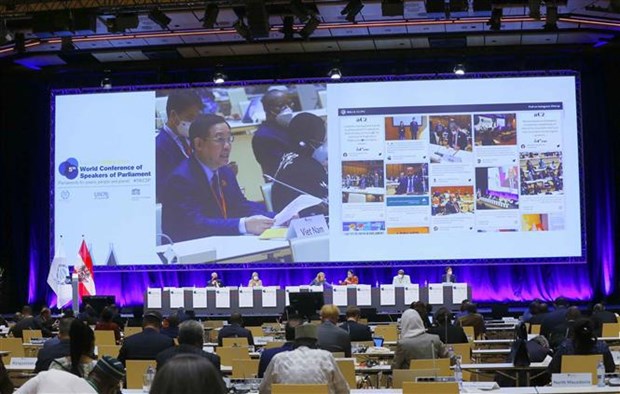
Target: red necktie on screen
<point>216,189</point>
<point>186,148</point>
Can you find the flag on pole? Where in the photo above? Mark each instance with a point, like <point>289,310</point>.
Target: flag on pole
<point>58,277</point>
<point>84,269</point>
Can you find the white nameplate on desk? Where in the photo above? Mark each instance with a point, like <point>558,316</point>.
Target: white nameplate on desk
<point>310,226</point>
<point>153,298</point>
<point>435,293</point>
<point>246,297</point>
<point>199,297</point>
<point>177,297</point>
<point>571,379</point>
<point>459,292</point>
<point>270,296</point>
<point>222,297</point>
<point>363,295</point>
<point>412,293</point>
<point>23,362</point>
<point>340,295</point>
<point>388,295</point>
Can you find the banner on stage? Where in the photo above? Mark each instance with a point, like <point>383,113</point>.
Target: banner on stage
<point>459,292</point>
<point>340,296</point>
<point>270,298</point>
<point>153,298</point>
<point>246,297</point>
<point>222,297</point>
<point>199,298</point>
<point>363,295</point>
<point>435,293</point>
<point>388,295</point>
<point>412,293</point>
<point>177,297</point>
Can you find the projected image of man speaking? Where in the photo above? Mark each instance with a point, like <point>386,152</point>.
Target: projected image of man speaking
<point>202,197</point>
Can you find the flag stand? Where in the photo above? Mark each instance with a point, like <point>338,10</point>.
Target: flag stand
<point>75,282</point>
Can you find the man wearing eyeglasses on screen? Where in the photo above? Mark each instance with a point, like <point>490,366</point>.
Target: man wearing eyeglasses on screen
<point>202,196</point>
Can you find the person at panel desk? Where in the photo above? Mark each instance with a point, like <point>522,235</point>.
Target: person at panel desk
<point>351,279</point>
<point>172,144</point>
<point>304,167</point>
<point>215,281</point>
<point>202,197</point>
<point>255,281</point>
<point>272,139</point>
<point>320,280</point>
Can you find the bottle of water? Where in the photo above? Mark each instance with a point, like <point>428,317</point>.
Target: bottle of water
<point>458,372</point>
<point>600,374</point>
<point>149,376</point>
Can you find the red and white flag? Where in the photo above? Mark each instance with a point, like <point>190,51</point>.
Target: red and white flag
<point>84,269</point>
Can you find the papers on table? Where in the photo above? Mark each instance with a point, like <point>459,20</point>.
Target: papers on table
<point>459,292</point>
<point>246,297</point>
<point>302,202</point>
<point>340,295</point>
<point>435,293</point>
<point>199,297</point>
<point>388,295</point>
<point>363,295</point>
<point>412,293</point>
<point>222,297</point>
<point>153,298</point>
<point>177,297</point>
<point>270,298</point>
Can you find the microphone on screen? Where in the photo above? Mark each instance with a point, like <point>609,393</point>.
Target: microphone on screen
<point>272,179</point>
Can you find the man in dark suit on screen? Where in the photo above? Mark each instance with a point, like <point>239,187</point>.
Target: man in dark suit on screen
<point>408,183</point>
<point>147,344</point>
<point>202,196</point>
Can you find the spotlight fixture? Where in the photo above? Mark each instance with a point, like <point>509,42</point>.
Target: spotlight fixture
<point>551,19</point>
<point>219,78</point>
<point>334,73</point>
<point>243,30</point>
<point>495,22</point>
<point>158,16</point>
<point>459,69</point>
<point>106,83</point>
<point>210,16</point>
<point>309,27</point>
<point>351,10</point>
<point>287,27</point>
<point>534,6</point>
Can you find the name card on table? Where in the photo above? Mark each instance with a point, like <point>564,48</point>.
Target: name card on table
<point>199,298</point>
<point>387,295</point>
<point>459,292</point>
<point>310,226</point>
<point>315,289</point>
<point>571,379</point>
<point>340,295</point>
<point>222,297</point>
<point>412,293</point>
<point>435,293</point>
<point>153,298</point>
<point>177,298</point>
<point>246,297</point>
<point>363,295</point>
<point>270,296</point>
<point>23,362</point>
<point>288,290</point>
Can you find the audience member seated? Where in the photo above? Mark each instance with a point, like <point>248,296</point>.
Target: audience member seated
<point>357,331</point>
<point>332,338</point>
<point>45,322</point>
<point>422,310</point>
<point>170,326</point>
<point>537,350</point>
<point>474,319</point>
<point>462,309</point>
<point>190,342</point>
<point>582,342</point>
<point>116,316</point>
<point>555,318</point>
<point>146,345</point>
<point>305,365</point>
<point>601,316</point>
<point>563,330</point>
<point>268,354</point>
<point>89,315</point>
<point>25,321</point>
<point>6,386</point>
<point>82,345</point>
<point>235,330</point>
<point>415,343</point>
<point>104,378</point>
<point>47,354</point>
<point>188,374</point>
<point>106,324</point>
<point>541,313</point>
<point>351,279</point>
<point>531,311</point>
<point>443,327</point>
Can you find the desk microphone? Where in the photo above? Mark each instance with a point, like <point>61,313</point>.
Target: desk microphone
<point>272,179</point>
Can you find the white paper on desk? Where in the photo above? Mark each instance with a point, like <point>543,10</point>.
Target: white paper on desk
<point>23,362</point>
<point>363,295</point>
<point>412,293</point>
<point>388,295</point>
<point>435,293</point>
<point>459,292</point>
<point>177,298</point>
<point>246,297</point>
<point>199,298</point>
<point>340,295</point>
<point>270,299</point>
<point>288,290</point>
<point>153,298</point>
<point>302,202</point>
<point>222,297</point>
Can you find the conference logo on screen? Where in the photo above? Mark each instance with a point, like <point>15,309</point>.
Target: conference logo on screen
<point>69,168</point>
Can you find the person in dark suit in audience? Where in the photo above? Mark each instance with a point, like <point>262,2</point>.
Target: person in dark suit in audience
<point>600,316</point>
<point>170,326</point>
<point>443,327</point>
<point>47,354</point>
<point>235,330</point>
<point>147,344</point>
<point>448,276</point>
<point>357,331</point>
<point>27,322</point>
<point>45,321</point>
<point>190,341</point>
<point>555,318</point>
<point>202,196</point>
<point>289,332</point>
<point>541,313</point>
<point>560,332</point>
<point>332,338</point>
<point>474,319</point>
<point>423,311</point>
<point>172,144</point>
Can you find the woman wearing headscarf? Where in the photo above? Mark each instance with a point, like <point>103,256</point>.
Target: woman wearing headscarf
<point>415,343</point>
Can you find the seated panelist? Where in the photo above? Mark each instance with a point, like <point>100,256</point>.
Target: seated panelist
<point>351,279</point>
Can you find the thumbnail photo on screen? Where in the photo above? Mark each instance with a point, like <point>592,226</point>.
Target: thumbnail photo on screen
<point>541,173</point>
<point>407,179</point>
<point>363,181</point>
<point>452,200</point>
<point>497,187</point>
<point>405,127</point>
<point>495,129</point>
<point>450,138</point>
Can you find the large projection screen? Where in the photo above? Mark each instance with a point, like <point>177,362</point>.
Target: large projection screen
<point>478,170</point>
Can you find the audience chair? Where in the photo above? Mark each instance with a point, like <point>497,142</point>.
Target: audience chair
<point>581,364</point>
<point>256,331</point>
<point>108,350</point>
<point>430,388</point>
<point>27,335</point>
<point>387,332</point>
<point>399,376</point>
<point>299,389</point>
<point>227,354</point>
<point>535,329</point>
<point>135,372</point>
<point>441,364</point>
<point>347,368</point>
<point>129,331</point>
<point>337,354</point>
<point>13,345</point>
<point>244,368</point>
<point>469,331</point>
<point>104,337</point>
<point>609,330</point>
<point>235,342</point>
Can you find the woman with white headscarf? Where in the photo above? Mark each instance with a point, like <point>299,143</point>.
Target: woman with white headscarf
<point>415,342</point>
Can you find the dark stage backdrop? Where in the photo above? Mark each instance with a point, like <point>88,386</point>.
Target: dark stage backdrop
<point>25,155</point>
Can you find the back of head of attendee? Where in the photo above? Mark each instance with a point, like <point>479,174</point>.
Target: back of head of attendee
<point>148,343</point>
<point>306,335</point>
<point>422,310</point>
<point>443,317</point>
<point>191,333</point>
<point>171,328</point>
<point>601,316</point>
<point>356,330</point>
<point>106,315</point>
<point>474,319</point>
<point>107,375</point>
<point>152,321</point>
<point>82,344</point>
<point>55,348</point>
<point>561,303</point>
<point>188,374</point>
<point>353,313</point>
<point>26,311</point>
<point>573,313</point>
<point>68,312</point>
<point>190,342</point>
<point>583,336</point>
<point>415,342</point>
<point>136,320</point>
<point>442,326</point>
<point>289,332</point>
<point>331,337</point>
<point>64,328</point>
<point>235,329</point>
<point>411,324</point>
<point>236,318</point>
<point>330,312</point>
